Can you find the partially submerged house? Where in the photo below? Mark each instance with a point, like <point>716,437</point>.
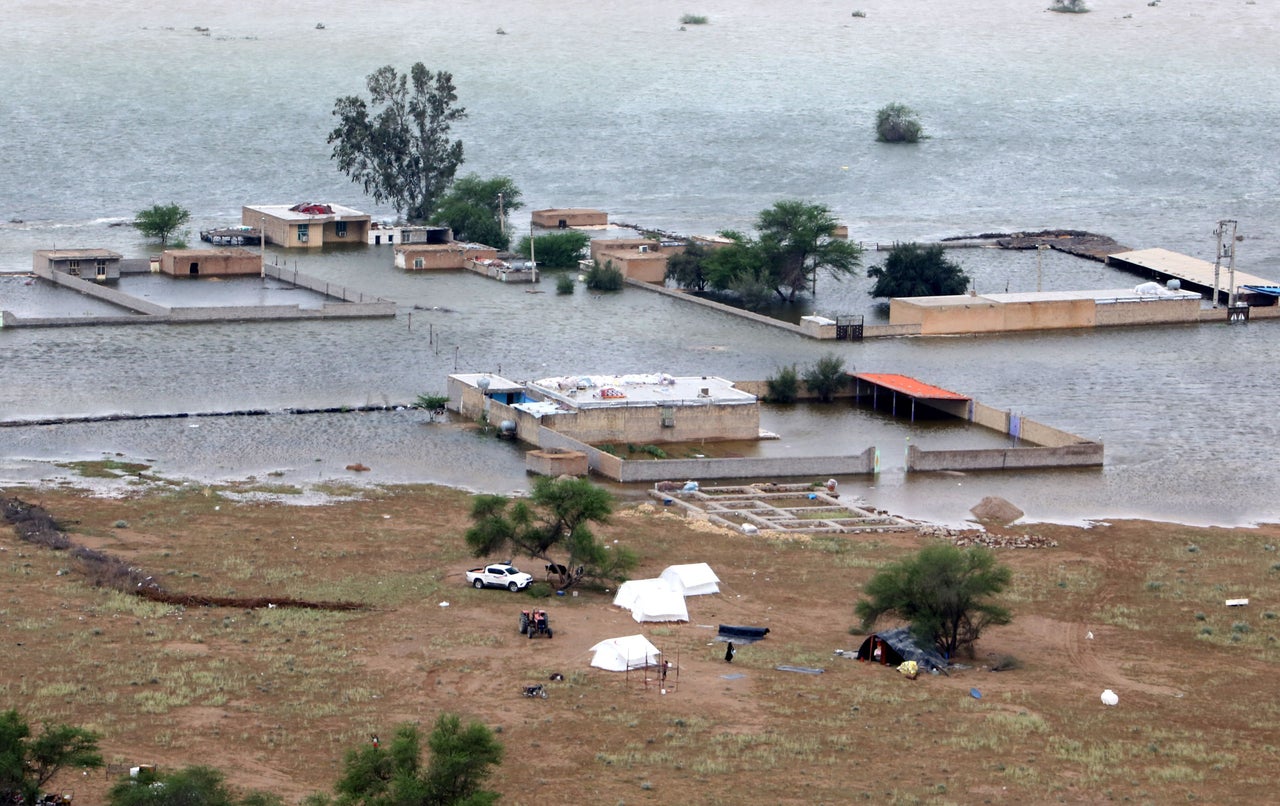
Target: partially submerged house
<point>210,263</point>
<point>642,259</point>
<point>595,409</point>
<point>405,234</point>
<point>567,217</point>
<point>308,224</point>
<point>441,256</point>
<point>101,265</point>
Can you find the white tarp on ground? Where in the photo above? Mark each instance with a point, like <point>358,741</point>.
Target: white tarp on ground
<point>621,654</point>
<point>695,579</point>
<point>651,600</point>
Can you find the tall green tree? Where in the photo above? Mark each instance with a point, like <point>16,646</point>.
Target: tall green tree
<point>798,240</point>
<point>557,515</point>
<point>462,759</point>
<point>913,270</point>
<point>944,593</point>
<point>396,144</point>
<point>161,221</point>
<point>189,786</point>
<point>476,209</point>
<point>27,764</point>
<point>687,268</point>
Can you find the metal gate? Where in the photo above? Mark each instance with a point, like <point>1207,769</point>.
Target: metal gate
<point>849,328</point>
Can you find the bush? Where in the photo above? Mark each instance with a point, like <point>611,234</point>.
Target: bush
<point>897,123</point>
<point>558,250</point>
<point>604,278</point>
<point>693,19</point>
<point>431,402</point>
<point>826,377</point>
<point>784,387</point>
<point>564,284</point>
<point>1069,7</point>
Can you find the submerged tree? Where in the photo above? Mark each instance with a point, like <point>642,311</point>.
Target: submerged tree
<point>944,593</point>
<point>161,221</point>
<point>826,377</point>
<point>797,240</point>
<point>476,209</point>
<point>913,270</point>
<point>399,151</point>
<point>557,515</point>
<point>898,123</point>
<point>687,269</point>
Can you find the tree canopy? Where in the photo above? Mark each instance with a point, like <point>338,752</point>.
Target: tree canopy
<point>476,209</point>
<point>826,377</point>
<point>396,144</point>
<point>161,220</point>
<point>462,758</point>
<point>943,592</point>
<point>557,515</point>
<point>27,764</point>
<point>687,268</point>
<point>555,250</point>
<point>913,270</point>
<point>795,241</point>
<point>898,123</point>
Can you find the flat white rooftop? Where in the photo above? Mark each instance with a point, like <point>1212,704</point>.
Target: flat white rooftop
<point>660,389</point>
<point>1102,295</point>
<point>283,212</point>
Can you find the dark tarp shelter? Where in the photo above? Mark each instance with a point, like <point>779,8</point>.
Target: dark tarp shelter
<point>898,645</point>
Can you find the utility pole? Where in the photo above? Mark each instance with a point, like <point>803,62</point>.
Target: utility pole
<point>502,217</point>
<point>1226,228</point>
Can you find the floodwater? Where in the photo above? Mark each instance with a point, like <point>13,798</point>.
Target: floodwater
<point>1167,122</point>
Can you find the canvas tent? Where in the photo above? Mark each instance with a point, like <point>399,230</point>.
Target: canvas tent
<point>695,579</point>
<point>898,645</point>
<point>621,654</point>
<point>651,600</point>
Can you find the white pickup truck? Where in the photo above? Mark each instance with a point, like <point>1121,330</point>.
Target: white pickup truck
<point>499,575</point>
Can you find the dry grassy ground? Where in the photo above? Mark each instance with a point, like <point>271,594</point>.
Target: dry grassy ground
<point>274,697</point>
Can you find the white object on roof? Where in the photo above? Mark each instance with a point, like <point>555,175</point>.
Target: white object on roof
<point>1237,602</point>
<point>621,654</point>
<point>694,579</point>
<point>651,600</point>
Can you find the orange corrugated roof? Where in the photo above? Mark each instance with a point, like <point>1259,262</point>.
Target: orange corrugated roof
<point>909,386</point>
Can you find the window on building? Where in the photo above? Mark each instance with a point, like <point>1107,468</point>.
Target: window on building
<point>419,263</point>
<point>73,268</point>
<point>304,232</point>
<point>340,229</point>
<point>101,268</point>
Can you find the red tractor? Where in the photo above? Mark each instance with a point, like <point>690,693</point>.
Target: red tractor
<point>534,622</point>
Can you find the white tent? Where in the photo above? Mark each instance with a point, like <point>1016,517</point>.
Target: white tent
<point>695,579</point>
<point>651,600</point>
<point>621,654</point>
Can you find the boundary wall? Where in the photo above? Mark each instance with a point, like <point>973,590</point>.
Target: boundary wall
<point>346,304</point>
<point>632,470</point>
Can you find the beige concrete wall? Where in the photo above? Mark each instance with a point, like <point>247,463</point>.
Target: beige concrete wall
<point>210,262</point>
<point>644,267</point>
<point>643,424</point>
<point>1054,315</point>
<point>572,217</point>
<point>556,462</point>
<point>357,231</point>
<point>438,257</point>
<point>1087,454</point>
<point>1143,313</point>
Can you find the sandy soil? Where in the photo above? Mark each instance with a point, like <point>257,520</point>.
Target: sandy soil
<point>274,697</point>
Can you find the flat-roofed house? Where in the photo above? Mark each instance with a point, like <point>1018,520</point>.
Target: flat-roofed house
<point>452,255</point>
<point>566,217</point>
<point>102,265</point>
<point>210,262</point>
<point>308,224</point>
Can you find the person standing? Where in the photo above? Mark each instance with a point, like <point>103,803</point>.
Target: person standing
<point>729,653</point>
